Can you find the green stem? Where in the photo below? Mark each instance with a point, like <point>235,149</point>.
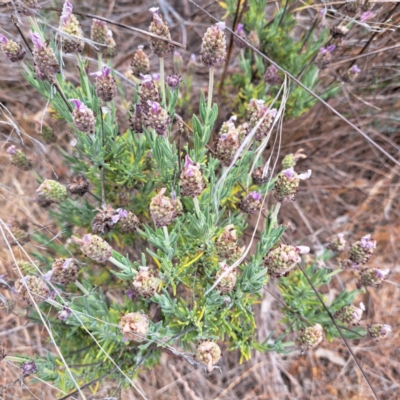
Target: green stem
<point>162,82</point>
<point>117,263</point>
<point>166,235</point>
<point>196,205</point>
<point>81,287</point>
<point>210,89</point>
<point>274,216</point>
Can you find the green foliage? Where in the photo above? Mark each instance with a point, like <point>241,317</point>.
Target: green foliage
<point>133,167</point>
<point>278,43</point>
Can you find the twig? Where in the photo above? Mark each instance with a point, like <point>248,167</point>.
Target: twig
<point>289,75</point>
<point>103,193</point>
<point>110,21</point>
<point>13,19</point>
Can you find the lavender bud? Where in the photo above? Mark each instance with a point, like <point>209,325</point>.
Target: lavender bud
<point>94,247</point>
<point>134,326</point>
<point>257,110</point>
<point>105,220</point>
<point>137,119</point>
<point>290,160</point>
<point>228,142</point>
<point>337,243</point>
<point>44,57</point>
<point>78,184</point>
<point>240,32</point>
<point>311,337</point>
<point>351,74</point>
<point>99,34</point>
<point>350,314</point>
<point>251,203</point>
<point>83,117</point>
<point>213,47</point>
<point>140,63</point>
<point>282,259</point>
<point>324,56</point>
<point>163,210</point>
<point>208,353</point>
<point>271,75</point>
<point>106,89</point>
<point>157,118</point>
<point>12,50</point>
<point>379,331</point>
<point>28,368</point>
<point>31,288</point>
<point>159,47</point>
<point>362,250</point>
<point>258,176</point>
<point>228,282</point>
<point>72,40</point>
<point>254,40</point>
<point>64,314</point>
<point>145,283</point>
<point>64,271</point>
<point>173,81</point>
<point>19,159</point>
<point>372,277</point>
<point>128,221</point>
<point>148,92</point>
<point>28,7</point>
<point>52,191</point>
<point>226,244</point>
<point>111,47</point>
<point>287,184</point>
<point>191,179</point>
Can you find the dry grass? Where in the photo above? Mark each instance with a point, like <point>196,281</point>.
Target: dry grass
<point>353,189</point>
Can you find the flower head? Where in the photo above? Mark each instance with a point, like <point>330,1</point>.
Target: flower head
<point>156,16</point>
<point>366,242</point>
<point>355,70</point>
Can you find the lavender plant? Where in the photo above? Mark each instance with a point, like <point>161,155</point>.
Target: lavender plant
<point>164,224</point>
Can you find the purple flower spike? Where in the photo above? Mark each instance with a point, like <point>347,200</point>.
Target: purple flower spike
<point>154,106</point>
<point>256,195</point>
<point>3,39</point>
<point>78,104</point>
<point>66,12</point>
<point>221,26</point>
<point>367,243</point>
<point>289,173</point>
<point>355,70</point>
<point>366,15</point>
<point>37,40</point>
<point>103,73</point>
<point>156,16</point>
<point>12,150</point>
